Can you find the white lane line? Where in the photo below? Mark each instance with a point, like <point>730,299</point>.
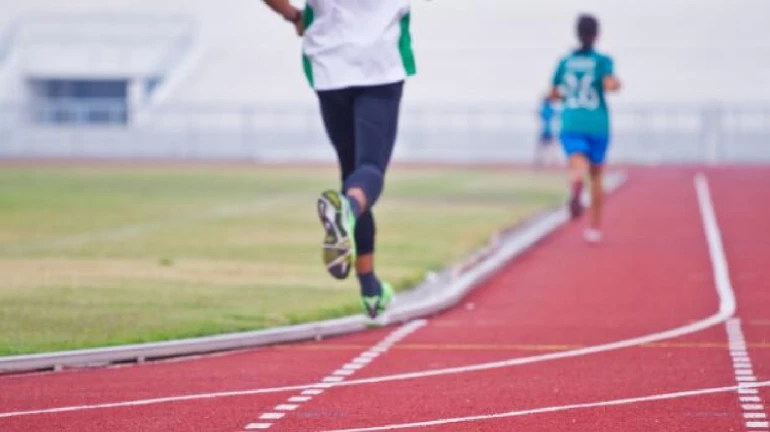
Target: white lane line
<point>286,407</point>
<point>299,399</point>
<point>757,425</point>
<point>746,399</point>
<point>294,402</point>
<point>333,379</point>
<point>726,309</point>
<point>615,402</point>
<point>744,374</point>
<point>716,249</point>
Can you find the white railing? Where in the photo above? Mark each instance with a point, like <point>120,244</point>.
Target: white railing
<point>643,133</point>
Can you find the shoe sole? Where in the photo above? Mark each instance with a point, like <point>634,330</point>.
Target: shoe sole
<point>337,246</point>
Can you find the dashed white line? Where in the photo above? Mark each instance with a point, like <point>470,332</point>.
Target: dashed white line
<point>744,374</point>
<point>286,407</point>
<point>333,379</point>
<point>299,399</point>
<point>746,378</point>
<point>339,375</point>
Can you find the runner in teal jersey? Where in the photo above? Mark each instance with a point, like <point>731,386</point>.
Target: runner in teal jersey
<point>581,81</point>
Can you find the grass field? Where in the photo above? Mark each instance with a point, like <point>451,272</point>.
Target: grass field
<point>102,255</point>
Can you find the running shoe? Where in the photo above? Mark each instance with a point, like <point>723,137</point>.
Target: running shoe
<point>592,235</point>
<point>339,244</point>
<point>375,305</point>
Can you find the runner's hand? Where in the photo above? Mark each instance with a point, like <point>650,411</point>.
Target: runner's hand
<point>299,25</point>
<point>296,19</point>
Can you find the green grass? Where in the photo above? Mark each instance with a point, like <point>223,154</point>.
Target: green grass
<point>105,255</point>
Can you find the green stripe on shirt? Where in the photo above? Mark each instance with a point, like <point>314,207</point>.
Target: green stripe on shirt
<point>405,46</point>
<point>307,19</point>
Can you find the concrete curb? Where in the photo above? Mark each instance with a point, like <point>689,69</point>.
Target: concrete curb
<point>442,291</point>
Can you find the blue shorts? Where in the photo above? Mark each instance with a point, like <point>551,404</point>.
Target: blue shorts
<point>594,147</point>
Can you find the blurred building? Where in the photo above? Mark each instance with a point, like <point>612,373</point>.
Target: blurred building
<point>223,79</point>
<point>94,68</point>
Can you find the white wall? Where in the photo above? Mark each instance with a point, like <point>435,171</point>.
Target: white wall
<point>485,50</point>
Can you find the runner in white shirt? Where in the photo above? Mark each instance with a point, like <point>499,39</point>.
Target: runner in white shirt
<point>356,56</point>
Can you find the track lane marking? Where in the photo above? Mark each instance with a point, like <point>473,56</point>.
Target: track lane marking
<point>295,402</point>
<point>744,373</point>
<point>726,310</point>
<point>552,409</point>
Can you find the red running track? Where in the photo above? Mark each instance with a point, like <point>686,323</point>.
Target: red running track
<point>653,273</point>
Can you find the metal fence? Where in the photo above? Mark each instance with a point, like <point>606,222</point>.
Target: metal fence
<point>642,133</point>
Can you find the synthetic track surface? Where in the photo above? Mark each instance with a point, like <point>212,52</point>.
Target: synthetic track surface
<point>653,273</point>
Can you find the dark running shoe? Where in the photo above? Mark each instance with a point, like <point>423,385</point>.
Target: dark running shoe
<point>375,305</point>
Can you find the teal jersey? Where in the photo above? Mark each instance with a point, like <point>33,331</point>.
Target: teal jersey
<point>580,78</point>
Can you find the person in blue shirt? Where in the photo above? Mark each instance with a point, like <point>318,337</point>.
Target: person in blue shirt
<point>547,113</point>
<point>581,82</point>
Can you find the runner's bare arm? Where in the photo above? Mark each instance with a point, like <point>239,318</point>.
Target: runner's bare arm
<point>284,8</point>
<point>288,12</point>
<point>555,94</point>
<point>611,83</point>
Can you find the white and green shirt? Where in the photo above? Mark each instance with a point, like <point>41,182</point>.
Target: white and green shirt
<point>357,43</point>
